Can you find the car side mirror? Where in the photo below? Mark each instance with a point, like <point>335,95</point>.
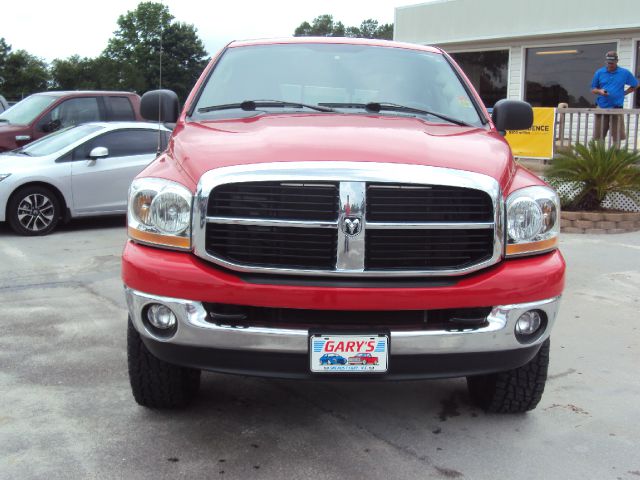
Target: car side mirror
<point>51,126</point>
<point>512,115</point>
<point>99,152</point>
<point>160,106</point>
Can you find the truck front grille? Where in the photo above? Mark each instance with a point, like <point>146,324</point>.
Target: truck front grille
<point>273,247</point>
<point>248,316</point>
<point>427,203</point>
<point>426,249</point>
<point>333,219</point>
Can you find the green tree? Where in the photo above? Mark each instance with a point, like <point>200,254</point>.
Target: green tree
<point>23,73</point>
<point>322,26</point>
<point>325,26</point>
<point>75,73</point>
<point>135,50</point>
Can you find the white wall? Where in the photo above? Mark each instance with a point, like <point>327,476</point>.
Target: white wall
<point>450,21</point>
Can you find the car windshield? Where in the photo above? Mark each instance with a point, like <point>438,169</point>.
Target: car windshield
<point>25,111</point>
<point>347,78</point>
<point>58,140</point>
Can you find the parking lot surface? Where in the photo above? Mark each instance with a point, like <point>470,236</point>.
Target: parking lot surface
<point>67,411</point>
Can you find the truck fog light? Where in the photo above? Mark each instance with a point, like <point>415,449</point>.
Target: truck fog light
<point>528,323</point>
<point>161,317</point>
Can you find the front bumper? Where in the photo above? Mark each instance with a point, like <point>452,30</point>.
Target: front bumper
<point>183,282</point>
<point>281,352</point>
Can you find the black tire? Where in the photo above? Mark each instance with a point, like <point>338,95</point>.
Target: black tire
<point>155,383</point>
<point>514,391</point>
<point>33,211</point>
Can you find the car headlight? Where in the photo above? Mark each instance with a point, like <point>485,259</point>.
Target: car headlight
<point>4,175</point>
<point>533,221</point>
<point>159,213</point>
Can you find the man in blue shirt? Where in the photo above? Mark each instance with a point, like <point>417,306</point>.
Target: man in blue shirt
<point>609,84</point>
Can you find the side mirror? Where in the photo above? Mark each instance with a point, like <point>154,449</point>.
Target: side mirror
<point>51,126</point>
<point>512,115</point>
<point>160,106</point>
<point>99,152</point>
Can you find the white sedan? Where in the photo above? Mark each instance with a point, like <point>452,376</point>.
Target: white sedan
<point>79,171</point>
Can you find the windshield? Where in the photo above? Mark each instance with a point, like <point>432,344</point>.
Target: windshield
<point>25,111</point>
<point>344,77</point>
<point>58,140</point>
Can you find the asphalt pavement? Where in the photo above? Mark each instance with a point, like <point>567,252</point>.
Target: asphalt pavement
<point>66,411</point>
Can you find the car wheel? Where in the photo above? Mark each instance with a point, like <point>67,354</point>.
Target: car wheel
<point>155,383</point>
<point>33,211</point>
<point>513,391</point>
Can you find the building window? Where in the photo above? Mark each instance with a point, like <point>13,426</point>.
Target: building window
<point>487,72</point>
<point>563,74</point>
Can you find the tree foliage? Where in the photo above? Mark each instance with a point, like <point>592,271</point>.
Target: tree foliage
<point>21,73</point>
<point>131,60</point>
<point>135,50</point>
<point>325,26</point>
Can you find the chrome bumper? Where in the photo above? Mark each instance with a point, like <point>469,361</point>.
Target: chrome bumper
<point>195,331</point>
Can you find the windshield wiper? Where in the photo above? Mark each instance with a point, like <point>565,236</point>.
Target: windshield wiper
<point>4,120</point>
<point>394,107</point>
<point>251,105</point>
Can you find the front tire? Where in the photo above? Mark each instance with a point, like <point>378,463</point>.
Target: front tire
<point>514,391</point>
<point>154,382</point>
<point>33,211</point>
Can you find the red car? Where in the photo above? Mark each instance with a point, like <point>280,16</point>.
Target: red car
<point>363,359</point>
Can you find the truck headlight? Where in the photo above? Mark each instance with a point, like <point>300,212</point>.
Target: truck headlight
<point>159,213</point>
<point>533,221</point>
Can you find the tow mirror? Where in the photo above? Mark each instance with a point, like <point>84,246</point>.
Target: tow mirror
<point>160,106</point>
<point>512,115</point>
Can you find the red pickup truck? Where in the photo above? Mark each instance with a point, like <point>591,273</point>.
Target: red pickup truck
<point>324,195</point>
<point>42,113</point>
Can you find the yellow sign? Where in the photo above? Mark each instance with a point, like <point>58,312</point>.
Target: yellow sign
<point>537,141</point>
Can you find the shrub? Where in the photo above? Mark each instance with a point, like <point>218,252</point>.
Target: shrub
<point>596,171</point>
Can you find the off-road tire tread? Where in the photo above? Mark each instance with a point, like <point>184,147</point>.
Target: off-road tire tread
<point>154,382</point>
<point>514,391</point>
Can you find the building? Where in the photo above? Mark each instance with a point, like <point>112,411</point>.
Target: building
<point>544,52</point>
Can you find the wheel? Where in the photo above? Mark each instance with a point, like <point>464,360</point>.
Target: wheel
<point>513,391</point>
<point>33,211</point>
<point>155,383</point>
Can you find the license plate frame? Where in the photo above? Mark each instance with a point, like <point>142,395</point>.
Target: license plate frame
<point>354,357</point>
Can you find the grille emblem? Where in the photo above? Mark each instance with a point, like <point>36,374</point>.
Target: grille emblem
<point>352,226</point>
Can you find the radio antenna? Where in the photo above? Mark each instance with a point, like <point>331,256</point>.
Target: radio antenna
<point>160,83</point>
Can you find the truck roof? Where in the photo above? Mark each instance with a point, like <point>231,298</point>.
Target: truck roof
<point>334,40</point>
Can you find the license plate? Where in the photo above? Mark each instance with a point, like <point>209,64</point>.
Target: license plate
<point>349,353</point>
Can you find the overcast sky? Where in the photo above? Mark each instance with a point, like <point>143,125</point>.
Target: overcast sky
<point>59,29</point>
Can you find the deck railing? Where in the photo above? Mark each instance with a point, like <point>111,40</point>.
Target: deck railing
<point>579,125</point>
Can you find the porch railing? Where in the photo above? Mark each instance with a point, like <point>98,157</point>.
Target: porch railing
<point>579,125</point>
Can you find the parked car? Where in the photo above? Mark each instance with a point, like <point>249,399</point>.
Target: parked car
<point>332,359</point>
<point>363,359</point>
<point>44,113</point>
<point>75,172</point>
<point>318,179</point>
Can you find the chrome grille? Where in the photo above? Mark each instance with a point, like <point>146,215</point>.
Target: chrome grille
<point>348,219</point>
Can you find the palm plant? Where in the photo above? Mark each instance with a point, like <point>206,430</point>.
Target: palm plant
<point>596,171</point>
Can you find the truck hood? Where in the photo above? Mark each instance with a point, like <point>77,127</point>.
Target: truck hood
<point>202,146</point>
